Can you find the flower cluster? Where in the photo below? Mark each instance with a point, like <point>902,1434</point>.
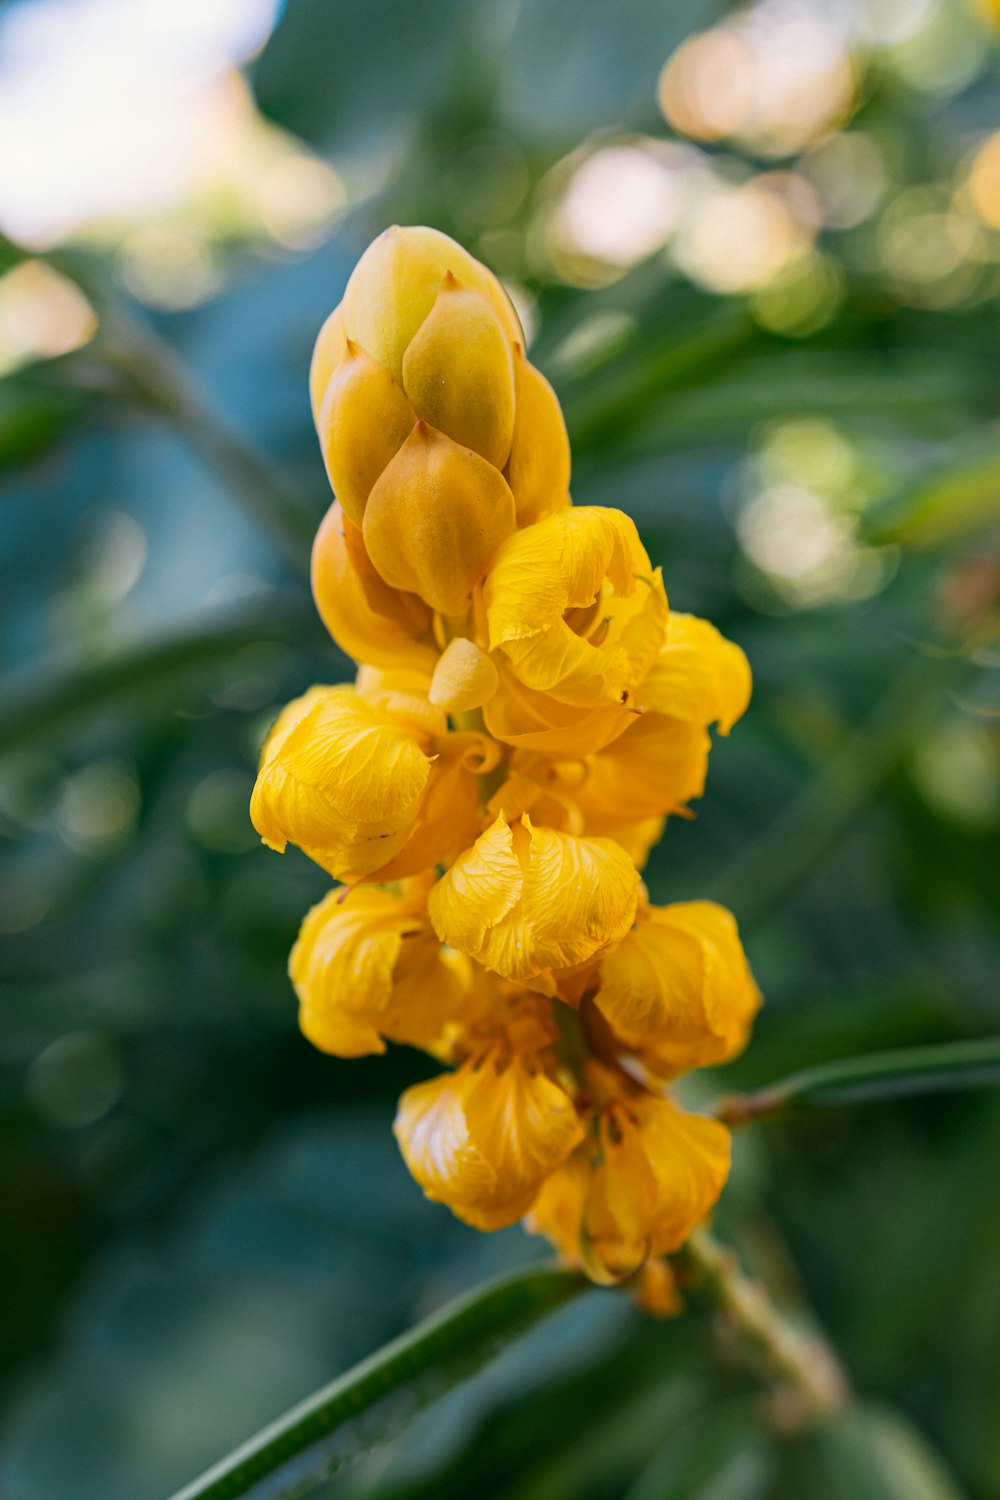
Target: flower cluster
<point>526,714</point>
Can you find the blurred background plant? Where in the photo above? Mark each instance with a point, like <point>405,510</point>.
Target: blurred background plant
<point>758,253</point>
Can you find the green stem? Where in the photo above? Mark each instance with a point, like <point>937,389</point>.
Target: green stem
<point>800,835</point>
<point>388,1389</point>
<point>164,387</point>
<point>859,1080</point>
<point>809,1385</point>
<point>54,699</point>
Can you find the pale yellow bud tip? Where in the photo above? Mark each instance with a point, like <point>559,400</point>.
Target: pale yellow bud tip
<point>464,678</point>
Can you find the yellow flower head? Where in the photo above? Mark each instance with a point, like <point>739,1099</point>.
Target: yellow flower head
<point>366,783</point>
<point>678,991</point>
<point>484,1138</point>
<point>367,966</point>
<point>527,713</point>
<point>645,1176</point>
<point>575,615</point>
<point>527,902</point>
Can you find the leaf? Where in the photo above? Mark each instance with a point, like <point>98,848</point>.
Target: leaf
<point>885,1075</point>
<point>55,699</point>
<point>389,1388</point>
<point>722,1454</point>
<point>948,504</point>
<point>870,1453</point>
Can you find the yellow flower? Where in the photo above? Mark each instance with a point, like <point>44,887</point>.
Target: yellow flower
<point>358,788</point>
<point>484,1138</point>
<point>678,991</point>
<point>527,902</point>
<point>367,966</point>
<point>647,1174</point>
<point>576,614</point>
<point>659,762</point>
<point>370,621</point>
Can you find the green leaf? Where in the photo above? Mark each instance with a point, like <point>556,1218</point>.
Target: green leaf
<point>386,1390</point>
<point>885,1075</point>
<point>947,505</point>
<point>59,697</point>
<point>873,1454</point>
<point>722,1454</point>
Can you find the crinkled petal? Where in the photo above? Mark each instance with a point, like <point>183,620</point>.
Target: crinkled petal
<point>698,675</point>
<point>678,990</point>
<point>483,1140</point>
<point>527,900</point>
<point>689,1156</point>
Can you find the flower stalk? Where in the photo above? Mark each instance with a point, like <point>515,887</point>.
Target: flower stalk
<point>807,1384</point>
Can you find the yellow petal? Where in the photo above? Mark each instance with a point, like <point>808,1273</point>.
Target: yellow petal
<point>678,990</point>
<point>340,778</point>
<point>458,374</point>
<point>654,768</point>
<point>367,966</point>
<point>576,606</point>
<point>538,469</point>
<point>484,1139</point>
<point>658,1173</point>
<point>527,900</point>
<point>446,824</point>
<point>331,346</point>
<point>342,969</point>
<point>394,286</point>
<point>689,1156</point>
<point>464,678</point>
<point>369,620</point>
<point>558,564</point>
<point>402,693</point>
<point>364,420</point>
<point>698,675</point>
<point>535,721</point>
<point>435,519</point>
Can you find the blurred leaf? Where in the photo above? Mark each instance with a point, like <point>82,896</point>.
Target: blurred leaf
<point>872,1454</point>
<point>387,1389</point>
<point>32,420</point>
<point>958,500</point>
<point>719,1454</point>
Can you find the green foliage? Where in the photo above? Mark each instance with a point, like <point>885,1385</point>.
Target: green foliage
<point>208,1219</point>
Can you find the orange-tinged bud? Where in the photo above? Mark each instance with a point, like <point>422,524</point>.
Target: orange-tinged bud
<point>364,420</point>
<point>369,620</point>
<point>539,463</point>
<point>329,351</point>
<point>435,518</point>
<point>458,373</point>
<point>394,286</point>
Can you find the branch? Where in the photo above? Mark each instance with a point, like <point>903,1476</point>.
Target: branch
<point>860,1080</point>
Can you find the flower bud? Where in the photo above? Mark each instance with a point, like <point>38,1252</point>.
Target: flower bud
<point>329,351</point>
<point>364,420</point>
<point>396,282</point>
<point>369,620</point>
<point>435,519</point>
<point>458,373</point>
<point>464,677</point>
<point>539,463</point>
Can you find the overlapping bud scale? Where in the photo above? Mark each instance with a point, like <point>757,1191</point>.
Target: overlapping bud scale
<point>527,713</point>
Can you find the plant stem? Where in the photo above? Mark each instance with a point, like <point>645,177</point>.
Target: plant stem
<point>883,1075</point>
<point>57,697</point>
<point>164,388</point>
<point>808,1382</point>
<point>385,1391</point>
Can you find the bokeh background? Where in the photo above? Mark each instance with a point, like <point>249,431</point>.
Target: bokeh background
<point>757,251</point>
